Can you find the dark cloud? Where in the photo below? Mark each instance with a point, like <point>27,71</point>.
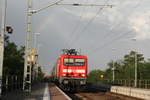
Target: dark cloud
<point>65,27</point>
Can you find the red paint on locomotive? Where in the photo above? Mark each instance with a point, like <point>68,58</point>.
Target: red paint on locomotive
<point>71,66</point>
<point>71,69</point>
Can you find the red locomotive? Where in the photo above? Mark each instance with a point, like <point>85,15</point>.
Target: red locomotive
<point>70,70</point>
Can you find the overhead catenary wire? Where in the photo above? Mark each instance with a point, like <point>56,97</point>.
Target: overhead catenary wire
<point>77,25</point>
<point>87,25</point>
<point>69,4</point>
<point>75,28</point>
<point>72,4</point>
<point>78,4</point>
<point>112,33</point>
<point>108,34</point>
<point>84,4</point>
<point>78,36</point>
<point>110,42</point>
<point>89,5</point>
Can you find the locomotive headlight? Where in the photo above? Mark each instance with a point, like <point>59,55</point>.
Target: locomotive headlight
<point>64,74</point>
<point>83,75</point>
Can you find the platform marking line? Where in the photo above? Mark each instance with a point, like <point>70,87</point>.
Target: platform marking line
<point>46,95</point>
<point>63,93</point>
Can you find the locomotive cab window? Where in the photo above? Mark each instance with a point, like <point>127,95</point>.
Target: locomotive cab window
<point>74,62</point>
<point>68,61</point>
<point>79,62</point>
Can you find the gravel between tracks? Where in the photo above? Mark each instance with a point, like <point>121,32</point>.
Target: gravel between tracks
<point>102,96</point>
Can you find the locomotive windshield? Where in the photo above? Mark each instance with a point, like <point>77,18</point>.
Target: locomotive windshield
<point>74,62</point>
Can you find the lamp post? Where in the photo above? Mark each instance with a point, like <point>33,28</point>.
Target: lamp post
<point>36,47</point>
<point>113,69</point>
<point>2,31</point>
<point>135,69</point>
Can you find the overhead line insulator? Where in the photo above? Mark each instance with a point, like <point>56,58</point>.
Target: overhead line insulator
<point>76,4</point>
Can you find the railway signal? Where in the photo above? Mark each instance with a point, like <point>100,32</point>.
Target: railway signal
<point>101,76</point>
<point>9,29</point>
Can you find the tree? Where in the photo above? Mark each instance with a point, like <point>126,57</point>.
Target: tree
<point>118,69</point>
<point>129,62</point>
<point>40,73</point>
<point>145,70</point>
<point>124,69</point>
<point>95,75</point>
<point>13,59</point>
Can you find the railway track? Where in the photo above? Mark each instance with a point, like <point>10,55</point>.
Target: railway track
<point>99,96</point>
<point>95,94</point>
<point>90,96</point>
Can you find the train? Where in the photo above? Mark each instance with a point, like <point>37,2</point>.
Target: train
<point>70,70</point>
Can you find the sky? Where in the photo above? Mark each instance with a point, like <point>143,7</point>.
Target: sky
<point>101,33</point>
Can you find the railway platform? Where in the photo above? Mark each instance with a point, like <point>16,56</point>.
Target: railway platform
<point>36,93</point>
<point>57,94</point>
<point>40,91</point>
<point>49,91</point>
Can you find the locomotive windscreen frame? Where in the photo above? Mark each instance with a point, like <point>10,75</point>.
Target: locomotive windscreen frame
<point>74,62</point>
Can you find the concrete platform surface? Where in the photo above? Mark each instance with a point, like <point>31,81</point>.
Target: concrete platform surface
<point>40,91</point>
<point>36,94</point>
<point>56,93</point>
